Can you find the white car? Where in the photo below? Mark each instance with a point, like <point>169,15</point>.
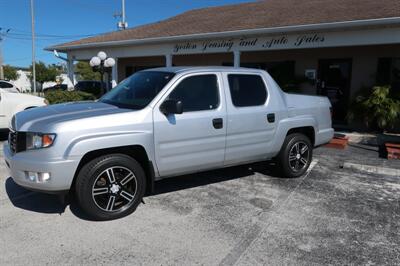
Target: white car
<point>12,102</point>
<point>8,86</point>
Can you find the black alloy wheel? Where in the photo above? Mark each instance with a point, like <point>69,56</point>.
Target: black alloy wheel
<point>295,155</point>
<point>110,187</point>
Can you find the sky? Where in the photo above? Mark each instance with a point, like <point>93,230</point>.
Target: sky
<point>58,21</point>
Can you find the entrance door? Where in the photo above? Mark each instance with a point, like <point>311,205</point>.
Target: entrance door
<point>334,76</point>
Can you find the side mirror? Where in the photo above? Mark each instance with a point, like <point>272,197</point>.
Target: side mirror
<point>171,107</point>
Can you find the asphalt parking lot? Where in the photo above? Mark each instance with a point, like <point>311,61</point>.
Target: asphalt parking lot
<point>242,215</point>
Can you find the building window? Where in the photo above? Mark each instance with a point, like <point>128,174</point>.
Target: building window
<point>388,72</point>
<point>283,72</point>
<point>247,90</point>
<point>197,93</point>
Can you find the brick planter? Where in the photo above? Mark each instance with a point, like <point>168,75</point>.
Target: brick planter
<point>393,150</point>
<point>338,142</point>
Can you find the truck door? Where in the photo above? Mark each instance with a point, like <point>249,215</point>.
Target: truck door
<point>194,140</point>
<point>252,118</point>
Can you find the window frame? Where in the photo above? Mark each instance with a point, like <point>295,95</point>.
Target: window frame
<point>184,77</point>
<point>6,83</point>
<point>248,74</point>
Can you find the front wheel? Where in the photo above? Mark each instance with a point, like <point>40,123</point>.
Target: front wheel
<point>110,187</point>
<point>295,155</point>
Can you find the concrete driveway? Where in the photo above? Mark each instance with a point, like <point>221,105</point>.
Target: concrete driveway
<point>242,215</point>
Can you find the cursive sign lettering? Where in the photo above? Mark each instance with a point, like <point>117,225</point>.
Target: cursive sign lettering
<point>309,39</point>
<point>275,42</point>
<point>227,44</point>
<point>185,47</point>
<point>250,44</point>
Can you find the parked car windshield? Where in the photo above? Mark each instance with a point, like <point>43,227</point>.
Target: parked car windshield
<point>138,90</point>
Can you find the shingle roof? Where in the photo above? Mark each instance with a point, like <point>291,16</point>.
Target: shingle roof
<point>254,15</point>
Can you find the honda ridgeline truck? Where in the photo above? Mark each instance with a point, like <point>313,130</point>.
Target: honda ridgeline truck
<point>160,123</point>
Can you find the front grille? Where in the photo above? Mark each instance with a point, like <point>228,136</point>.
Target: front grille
<point>17,141</point>
<point>12,141</point>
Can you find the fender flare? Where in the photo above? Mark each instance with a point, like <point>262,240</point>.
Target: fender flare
<point>290,123</point>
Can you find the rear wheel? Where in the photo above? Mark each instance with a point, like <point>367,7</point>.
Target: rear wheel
<point>295,155</point>
<point>110,187</point>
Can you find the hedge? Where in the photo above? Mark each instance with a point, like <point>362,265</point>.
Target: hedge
<point>59,96</point>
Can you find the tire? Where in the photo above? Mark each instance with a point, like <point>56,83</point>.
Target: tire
<point>295,155</point>
<point>110,186</point>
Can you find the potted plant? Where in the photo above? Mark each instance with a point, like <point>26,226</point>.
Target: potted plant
<point>379,110</point>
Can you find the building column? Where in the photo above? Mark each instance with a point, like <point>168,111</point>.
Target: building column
<point>236,58</point>
<point>70,69</point>
<point>168,60</point>
<point>114,74</point>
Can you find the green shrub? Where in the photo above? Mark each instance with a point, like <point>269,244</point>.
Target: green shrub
<point>59,96</point>
<point>376,108</point>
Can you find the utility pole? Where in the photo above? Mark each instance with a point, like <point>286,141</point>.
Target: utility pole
<point>1,57</point>
<point>122,25</point>
<point>2,36</point>
<point>1,60</point>
<point>33,48</point>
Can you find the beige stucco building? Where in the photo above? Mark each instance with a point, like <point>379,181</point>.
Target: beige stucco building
<point>327,47</point>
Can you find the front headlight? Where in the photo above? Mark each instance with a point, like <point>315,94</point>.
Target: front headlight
<point>39,140</point>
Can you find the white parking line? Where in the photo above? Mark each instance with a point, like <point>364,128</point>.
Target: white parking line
<point>372,169</point>
<point>312,165</point>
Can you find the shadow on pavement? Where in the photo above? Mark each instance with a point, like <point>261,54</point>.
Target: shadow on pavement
<point>205,178</point>
<point>47,203</point>
<point>33,201</point>
<point>3,135</point>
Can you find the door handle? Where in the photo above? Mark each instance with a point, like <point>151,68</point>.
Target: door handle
<point>271,117</point>
<point>218,123</point>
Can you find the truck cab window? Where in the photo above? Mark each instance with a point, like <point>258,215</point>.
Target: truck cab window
<point>247,90</point>
<point>197,93</point>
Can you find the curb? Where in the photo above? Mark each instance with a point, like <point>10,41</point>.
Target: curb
<point>372,169</point>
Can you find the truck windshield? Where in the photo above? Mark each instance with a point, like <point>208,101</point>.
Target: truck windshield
<point>138,90</point>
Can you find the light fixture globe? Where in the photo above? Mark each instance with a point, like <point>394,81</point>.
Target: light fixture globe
<point>95,61</point>
<point>110,62</point>
<point>102,55</point>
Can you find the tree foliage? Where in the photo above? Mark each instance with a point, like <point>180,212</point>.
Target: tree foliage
<point>10,73</point>
<point>85,72</point>
<point>45,72</point>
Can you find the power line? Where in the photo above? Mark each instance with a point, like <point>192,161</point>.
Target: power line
<point>41,55</point>
<point>27,38</point>
<point>52,36</point>
<point>17,32</point>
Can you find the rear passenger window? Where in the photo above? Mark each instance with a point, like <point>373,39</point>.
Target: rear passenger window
<point>247,90</point>
<point>5,85</point>
<point>197,93</point>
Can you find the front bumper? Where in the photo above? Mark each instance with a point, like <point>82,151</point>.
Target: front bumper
<point>61,171</point>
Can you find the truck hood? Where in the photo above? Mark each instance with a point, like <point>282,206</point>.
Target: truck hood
<point>38,119</point>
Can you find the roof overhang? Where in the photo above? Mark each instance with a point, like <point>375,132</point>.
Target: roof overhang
<point>261,31</point>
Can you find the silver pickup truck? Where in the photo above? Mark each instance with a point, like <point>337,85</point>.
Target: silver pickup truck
<point>160,123</point>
